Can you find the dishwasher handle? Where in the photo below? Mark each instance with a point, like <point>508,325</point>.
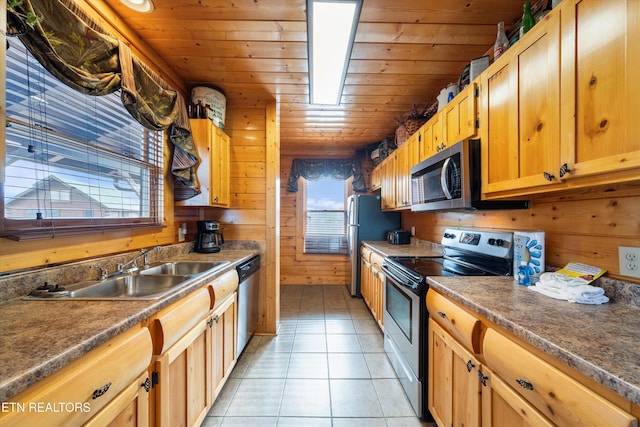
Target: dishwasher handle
<point>248,268</point>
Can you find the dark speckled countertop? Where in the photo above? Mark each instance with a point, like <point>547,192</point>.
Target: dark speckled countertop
<point>600,341</point>
<point>40,337</point>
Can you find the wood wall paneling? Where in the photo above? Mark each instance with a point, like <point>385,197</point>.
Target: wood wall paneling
<point>303,269</point>
<point>580,226</point>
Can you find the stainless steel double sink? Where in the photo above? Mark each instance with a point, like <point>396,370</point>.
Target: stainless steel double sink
<point>147,283</point>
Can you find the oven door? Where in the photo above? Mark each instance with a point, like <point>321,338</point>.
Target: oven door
<point>402,338</point>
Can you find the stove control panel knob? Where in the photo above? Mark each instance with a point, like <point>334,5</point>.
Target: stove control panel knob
<point>449,236</point>
<point>496,242</point>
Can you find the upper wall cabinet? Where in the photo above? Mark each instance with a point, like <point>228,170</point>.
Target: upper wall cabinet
<point>600,93</point>
<point>459,116</point>
<point>520,112</point>
<point>557,109</point>
<point>213,170</point>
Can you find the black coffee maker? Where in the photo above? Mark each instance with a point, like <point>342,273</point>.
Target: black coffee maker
<point>209,238</point>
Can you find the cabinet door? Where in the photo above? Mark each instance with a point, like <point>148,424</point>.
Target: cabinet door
<point>600,91</point>
<point>426,148</point>
<point>520,124</point>
<point>223,343</point>
<point>365,282</point>
<point>388,188</point>
<point>129,409</point>
<point>377,284</point>
<point>376,179</point>
<point>220,193</point>
<point>459,116</point>
<point>183,391</point>
<point>437,142</point>
<point>212,171</point>
<point>501,406</point>
<point>454,385</point>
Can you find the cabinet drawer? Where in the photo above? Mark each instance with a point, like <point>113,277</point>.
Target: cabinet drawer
<point>376,259</point>
<point>222,287</point>
<point>180,318</point>
<point>463,326</point>
<point>80,390</point>
<point>559,397</point>
<point>366,254</point>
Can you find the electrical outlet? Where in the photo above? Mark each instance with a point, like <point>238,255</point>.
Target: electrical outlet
<point>629,259</point>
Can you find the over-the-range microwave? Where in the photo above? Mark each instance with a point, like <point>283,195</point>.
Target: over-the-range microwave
<point>450,180</point>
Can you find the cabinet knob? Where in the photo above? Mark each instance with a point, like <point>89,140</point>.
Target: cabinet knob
<point>483,378</point>
<point>564,169</point>
<point>102,390</point>
<point>210,323</point>
<point>470,365</point>
<point>525,384</point>
<point>549,177</point>
<point>442,314</point>
<point>216,318</point>
<point>146,385</point>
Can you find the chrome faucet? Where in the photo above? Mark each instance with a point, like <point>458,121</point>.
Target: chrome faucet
<point>134,262</point>
<point>103,272</point>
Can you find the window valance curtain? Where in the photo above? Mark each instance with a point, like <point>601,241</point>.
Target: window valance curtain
<point>314,169</point>
<point>70,45</point>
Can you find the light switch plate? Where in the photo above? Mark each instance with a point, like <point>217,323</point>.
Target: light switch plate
<point>629,258</point>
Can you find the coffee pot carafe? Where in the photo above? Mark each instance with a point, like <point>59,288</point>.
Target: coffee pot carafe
<point>209,238</point>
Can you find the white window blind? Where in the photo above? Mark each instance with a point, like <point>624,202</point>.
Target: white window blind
<point>74,162</point>
<point>325,225</point>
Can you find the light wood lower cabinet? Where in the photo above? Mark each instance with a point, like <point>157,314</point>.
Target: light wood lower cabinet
<point>224,326</point>
<point>454,386</point>
<point>503,406</point>
<point>372,284</point>
<point>557,396</point>
<point>107,385</point>
<point>183,364</point>
<point>129,409</point>
<point>196,348</point>
<point>513,386</point>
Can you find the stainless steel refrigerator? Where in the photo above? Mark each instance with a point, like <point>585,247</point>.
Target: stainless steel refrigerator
<point>366,221</point>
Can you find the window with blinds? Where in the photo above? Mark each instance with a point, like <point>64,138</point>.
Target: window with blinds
<point>74,162</point>
<point>325,225</point>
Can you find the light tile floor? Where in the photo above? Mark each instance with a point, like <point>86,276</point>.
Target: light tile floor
<point>326,367</point>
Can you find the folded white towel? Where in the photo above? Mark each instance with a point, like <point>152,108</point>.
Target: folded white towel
<point>548,292</point>
<point>584,291</point>
<point>593,300</point>
<point>582,294</point>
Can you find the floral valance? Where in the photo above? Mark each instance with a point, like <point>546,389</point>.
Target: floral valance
<point>78,52</point>
<point>314,169</point>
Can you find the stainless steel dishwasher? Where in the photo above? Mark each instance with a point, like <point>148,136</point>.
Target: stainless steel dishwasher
<point>247,300</point>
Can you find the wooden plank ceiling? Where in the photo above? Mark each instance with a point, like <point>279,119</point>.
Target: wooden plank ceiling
<point>405,52</point>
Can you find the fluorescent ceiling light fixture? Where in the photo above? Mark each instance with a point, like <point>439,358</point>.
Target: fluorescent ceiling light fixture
<point>331,29</point>
<point>144,6</point>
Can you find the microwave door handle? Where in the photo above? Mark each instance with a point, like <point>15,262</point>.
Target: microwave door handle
<point>443,178</point>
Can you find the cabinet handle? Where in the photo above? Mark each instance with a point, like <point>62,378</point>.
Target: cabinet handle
<point>210,323</point>
<point>564,169</point>
<point>442,314</point>
<point>525,384</point>
<point>102,390</point>
<point>216,318</point>
<point>483,378</point>
<point>470,365</point>
<point>549,177</point>
<point>146,385</point>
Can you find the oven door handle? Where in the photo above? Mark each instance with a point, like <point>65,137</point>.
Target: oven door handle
<point>399,280</point>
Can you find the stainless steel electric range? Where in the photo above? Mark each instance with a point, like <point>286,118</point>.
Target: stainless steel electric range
<point>466,252</point>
